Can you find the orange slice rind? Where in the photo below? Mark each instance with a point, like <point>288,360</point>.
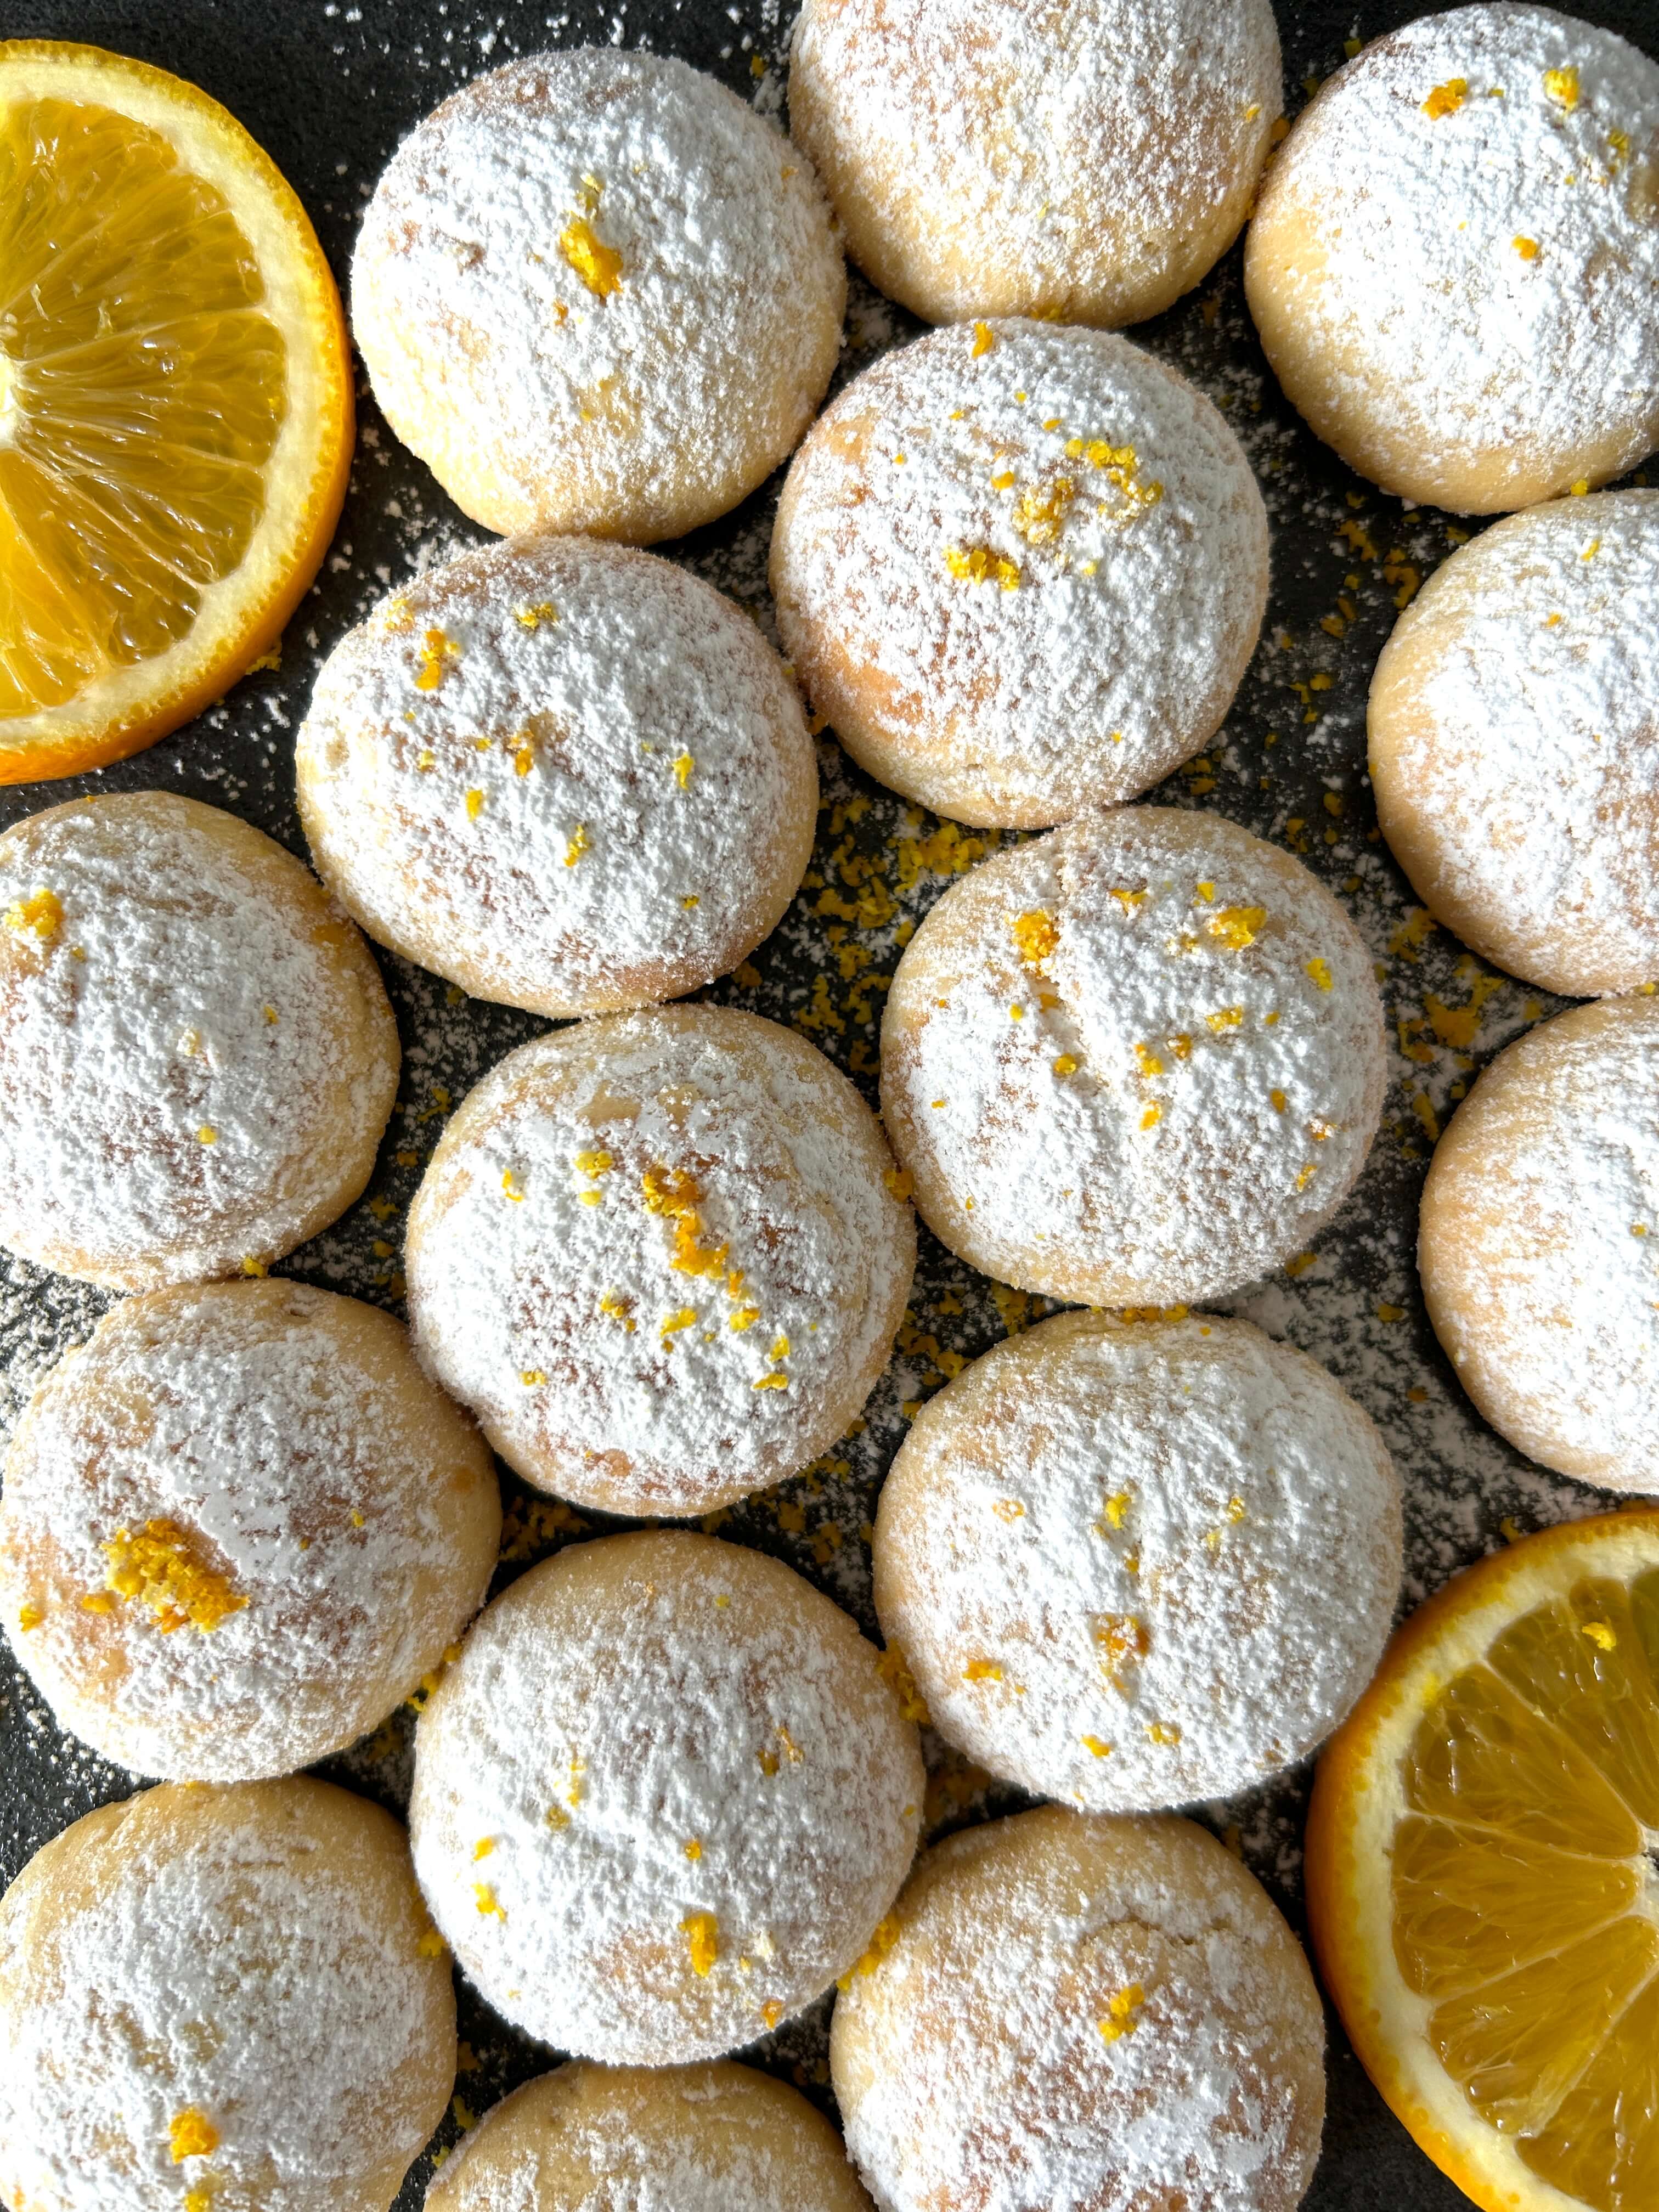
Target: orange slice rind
<point>1481,1878</point>
<point>175,405</point>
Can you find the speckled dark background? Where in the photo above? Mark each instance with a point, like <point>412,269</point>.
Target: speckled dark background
<point>329,90</point>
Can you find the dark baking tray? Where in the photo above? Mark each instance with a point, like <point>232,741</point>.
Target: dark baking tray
<point>329,88</point>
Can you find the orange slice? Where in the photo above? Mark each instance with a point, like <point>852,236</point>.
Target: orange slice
<point>1482,1873</point>
<point>175,405</point>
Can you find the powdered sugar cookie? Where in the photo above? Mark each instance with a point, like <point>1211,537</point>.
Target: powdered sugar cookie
<point>663,1798</point>
<point>1133,1564</point>
<point>1455,265</point>
<point>1137,1061</point>
<point>1099,2013</point>
<point>1514,744</point>
<point>238,1526</point>
<point>662,1257</point>
<point>1540,1244</point>
<point>221,2000</point>
<point>595,291</point>
<point>1020,568</point>
<point>1088,162</point>
<point>196,1056</point>
<point>563,774</point>
<point>712,2138</point>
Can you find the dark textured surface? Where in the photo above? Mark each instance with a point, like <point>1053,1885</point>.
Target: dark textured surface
<point>329,90</point>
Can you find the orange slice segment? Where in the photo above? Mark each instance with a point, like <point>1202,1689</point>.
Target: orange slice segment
<point>1483,1873</point>
<point>175,405</point>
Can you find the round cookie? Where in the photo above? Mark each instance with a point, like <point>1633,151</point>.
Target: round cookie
<point>1130,1565</point>
<point>595,291</point>
<point>196,1056</point>
<point>1539,1243</point>
<point>221,2000</point>
<point>1022,569</point>
<point>1138,1061</point>
<point>238,1527</point>
<point>565,775</point>
<point>1454,265</point>
<point>1087,161</point>
<point>663,1799</point>
<point>662,1257</point>
<point>1514,744</point>
<point>711,2138</point>
<point>1085,2011</point>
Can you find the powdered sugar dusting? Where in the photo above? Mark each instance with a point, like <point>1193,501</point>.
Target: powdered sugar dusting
<point>334,1509</point>
<point>617,1707</point>
<point>1540,1248</point>
<point>656,1255</point>
<point>1190,1083</point>
<point>973,2070</point>
<point>566,774</point>
<point>1487,257</point>
<point>1021,568</point>
<point>595,289</point>
<point>1520,752</point>
<point>1132,1566</point>
<point>1089,160</point>
<point>182,1031</point>
<point>217,1965</point>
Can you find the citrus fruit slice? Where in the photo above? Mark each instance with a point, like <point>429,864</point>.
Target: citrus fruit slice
<point>175,405</point>
<point>1480,1872</point>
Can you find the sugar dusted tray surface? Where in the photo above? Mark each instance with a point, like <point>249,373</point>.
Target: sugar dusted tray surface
<point>329,88</point>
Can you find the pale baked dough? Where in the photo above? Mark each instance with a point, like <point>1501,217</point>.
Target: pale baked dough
<point>1514,744</point>
<point>221,2000</point>
<point>565,775</point>
<point>196,1055</point>
<point>711,2138</point>
<point>238,1526</point>
<point>595,291</point>
<point>1133,1564</point>
<point>1104,2014</point>
<point>1453,266</point>
<point>663,1799</point>
<point>1137,1061</point>
<point>1539,1245</point>
<point>1020,568</point>
<point>663,1256</point>
<point>1086,159</point>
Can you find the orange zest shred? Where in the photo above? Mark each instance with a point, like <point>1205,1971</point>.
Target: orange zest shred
<point>1121,2011</point>
<point>978,564</point>
<point>702,1941</point>
<point>1446,98</point>
<point>161,1568</point>
<point>895,1670</point>
<point>190,2134</point>
<point>599,266</point>
<point>881,1943</point>
<point>40,916</point>
<point>1237,925</point>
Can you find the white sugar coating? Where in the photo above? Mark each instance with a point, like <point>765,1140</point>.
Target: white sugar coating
<point>1022,569</point>
<point>595,290</point>
<point>1515,742</point>
<point>1137,1061</point>
<point>662,1257</point>
<point>1088,160</point>
<point>196,1056</point>
<point>238,1526</point>
<point>663,1799</point>
<point>1133,1566</point>
<point>1540,1244</point>
<point>1455,264</point>
<point>972,2068</point>
<point>250,1957</point>
<point>563,774</point>
<point>708,2138</point>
